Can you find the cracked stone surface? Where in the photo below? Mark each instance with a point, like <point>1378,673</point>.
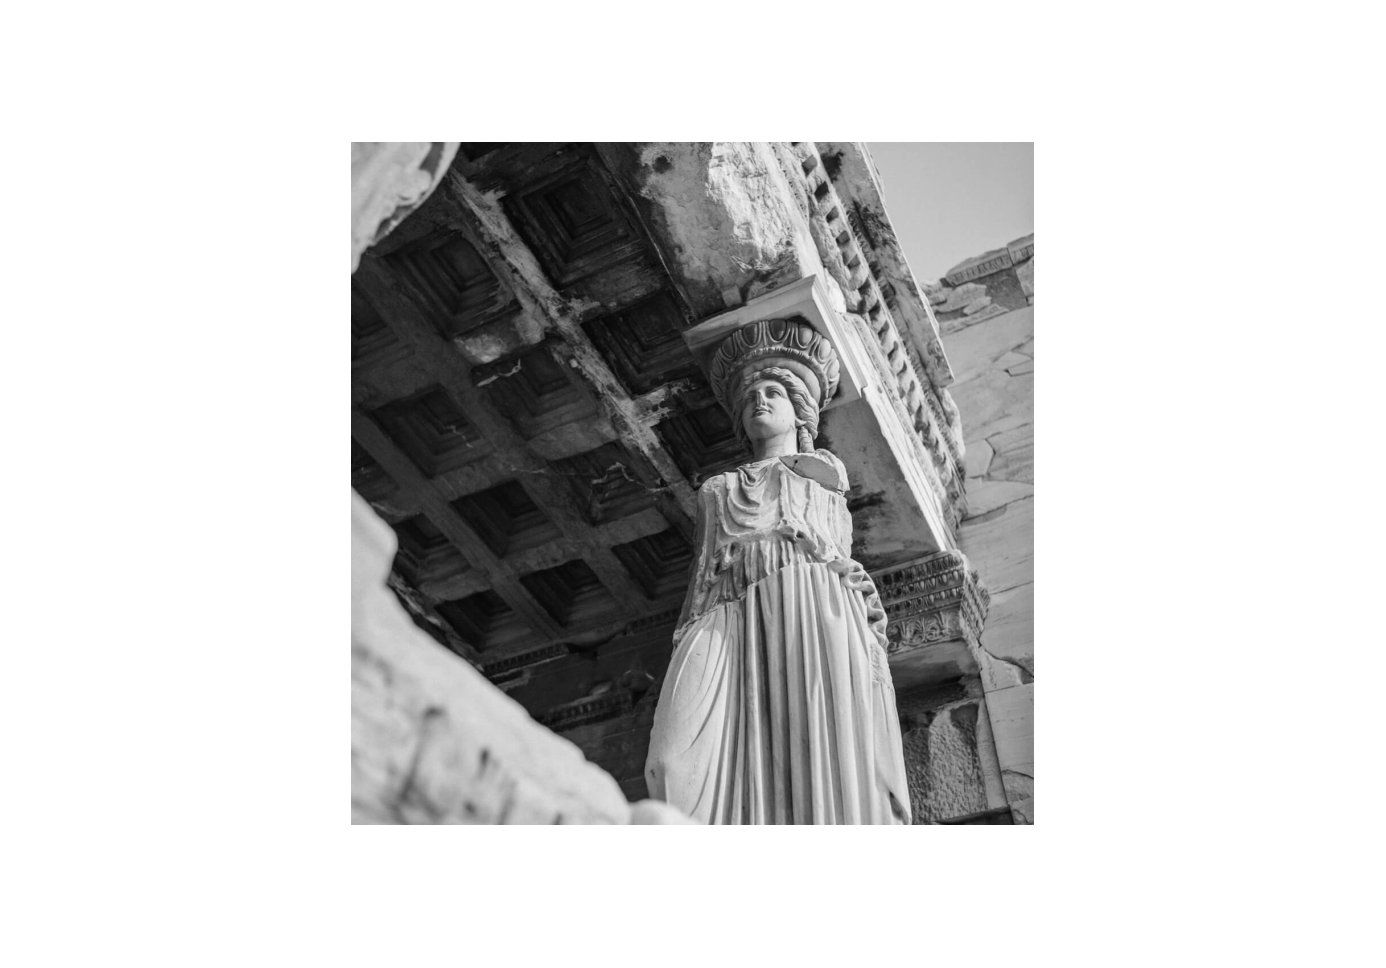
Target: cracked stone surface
<point>1019,786</point>
<point>1012,718</point>
<point>992,351</point>
<point>994,403</point>
<point>985,495</point>
<point>978,459</point>
<point>994,361</point>
<point>978,348</point>
<point>1000,543</point>
<point>1010,630</point>
<point>704,193</point>
<point>1026,274</point>
<point>1014,458</point>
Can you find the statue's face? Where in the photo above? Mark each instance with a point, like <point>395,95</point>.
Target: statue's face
<point>766,410</point>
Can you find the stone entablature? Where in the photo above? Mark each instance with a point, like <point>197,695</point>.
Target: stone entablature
<point>857,185</point>
<point>964,712</point>
<point>916,367</point>
<point>936,598</point>
<point>935,607</point>
<point>991,262</point>
<point>985,286</point>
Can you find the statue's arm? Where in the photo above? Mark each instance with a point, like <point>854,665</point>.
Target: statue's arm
<point>858,579</point>
<point>844,524</point>
<point>700,572</point>
<point>854,573</point>
<point>837,466</point>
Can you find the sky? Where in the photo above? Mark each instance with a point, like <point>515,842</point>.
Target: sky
<point>949,202</point>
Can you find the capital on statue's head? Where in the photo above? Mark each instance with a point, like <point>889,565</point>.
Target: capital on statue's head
<point>789,343</point>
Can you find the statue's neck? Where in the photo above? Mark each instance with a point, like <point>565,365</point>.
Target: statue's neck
<point>782,446</point>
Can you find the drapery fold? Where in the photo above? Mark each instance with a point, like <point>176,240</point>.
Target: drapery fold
<point>776,707</point>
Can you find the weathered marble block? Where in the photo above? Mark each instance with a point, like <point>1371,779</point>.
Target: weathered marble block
<point>433,742</point>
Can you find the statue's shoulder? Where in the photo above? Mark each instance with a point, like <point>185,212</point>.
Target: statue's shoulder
<point>821,466</point>
<point>714,484</point>
<point>831,458</point>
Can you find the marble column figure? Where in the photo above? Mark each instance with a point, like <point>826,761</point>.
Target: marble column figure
<point>778,705</point>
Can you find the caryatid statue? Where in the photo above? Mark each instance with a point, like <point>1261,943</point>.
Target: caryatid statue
<point>778,705</point>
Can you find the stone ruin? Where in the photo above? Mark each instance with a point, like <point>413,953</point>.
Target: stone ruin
<point>531,418</point>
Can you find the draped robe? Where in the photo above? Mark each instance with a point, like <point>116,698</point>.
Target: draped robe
<point>778,705</point>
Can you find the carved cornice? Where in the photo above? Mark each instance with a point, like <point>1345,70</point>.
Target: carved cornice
<point>501,667</point>
<point>504,668</point>
<point>932,599</point>
<point>590,710</point>
<point>649,622</point>
<point>916,367</point>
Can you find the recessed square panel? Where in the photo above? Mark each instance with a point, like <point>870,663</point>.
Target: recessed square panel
<point>702,442</point>
<point>372,341</point>
<point>643,344</point>
<point>483,620</point>
<point>535,391</point>
<point>506,519</point>
<point>368,477</point>
<point>447,277</point>
<point>571,593</point>
<point>609,482</point>
<point>577,224</point>
<point>425,553</point>
<point>658,562</point>
<point>432,431</point>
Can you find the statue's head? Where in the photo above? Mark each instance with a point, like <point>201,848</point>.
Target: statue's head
<point>772,375</point>
<point>773,401</point>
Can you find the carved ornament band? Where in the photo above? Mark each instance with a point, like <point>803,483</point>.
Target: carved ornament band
<point>932,599</point>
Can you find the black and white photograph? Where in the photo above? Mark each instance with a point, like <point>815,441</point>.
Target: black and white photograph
<point>693,483</point>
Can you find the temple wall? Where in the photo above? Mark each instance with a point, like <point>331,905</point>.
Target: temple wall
<point>987,322</point>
